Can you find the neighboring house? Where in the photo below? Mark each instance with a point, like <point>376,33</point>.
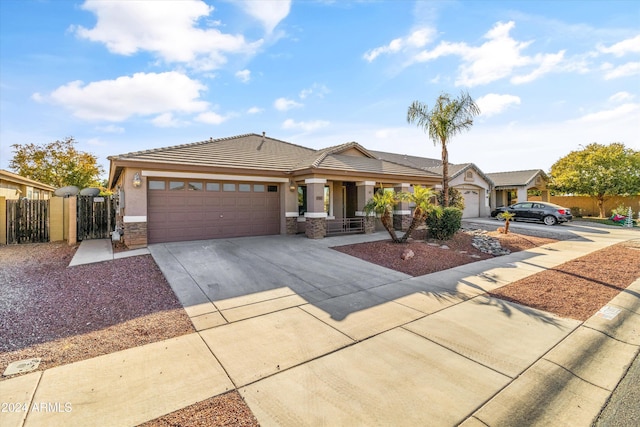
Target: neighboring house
<point>251,185</point>
<point>14,186</point>
<point>512,187</point>
<point>474,185</point>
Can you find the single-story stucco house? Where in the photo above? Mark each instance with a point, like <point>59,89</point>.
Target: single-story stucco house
<point>250,185</point>
<point>474,185</point>
<point>512,187</point>
<point>14,186</point>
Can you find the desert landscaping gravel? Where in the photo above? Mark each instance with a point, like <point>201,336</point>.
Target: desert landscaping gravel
<point>579,288</point>
<point>440,255</point>
<point>65,314</point>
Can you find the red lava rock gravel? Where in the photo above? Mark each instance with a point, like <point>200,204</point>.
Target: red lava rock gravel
<point>430,257</point>
<point>228,410</point>
<point>64,314</point>
<point>579,288</point>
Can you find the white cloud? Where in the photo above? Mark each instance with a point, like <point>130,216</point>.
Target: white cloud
<point>493,103</point>
<point>497,58</point>
<point>167,29</point>
<point>284,104</point>
<point>269,13</point>
<point>621,96</point>
<point>622,48</point>
<point>211,118</point>
<point>625,110</point>
<point>417,39</point>
<point>625,70</point>
<point>548,63</point>
<point>243,75</point>
<point>127,96</point>
<point>255,110</point>
<point>316,89</point>
<point>305,126</point>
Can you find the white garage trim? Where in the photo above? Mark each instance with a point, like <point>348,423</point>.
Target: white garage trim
<point>130,218</point>
<point>212,176</point>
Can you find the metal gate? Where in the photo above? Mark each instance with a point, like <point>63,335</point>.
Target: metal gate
<point>27,221</point>
<point>96,217</point>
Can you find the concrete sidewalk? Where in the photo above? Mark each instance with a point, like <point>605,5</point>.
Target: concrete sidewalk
<point>397,350</point>
<point>100,250</point>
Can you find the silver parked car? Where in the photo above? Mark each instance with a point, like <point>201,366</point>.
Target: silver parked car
<point>548,213</point>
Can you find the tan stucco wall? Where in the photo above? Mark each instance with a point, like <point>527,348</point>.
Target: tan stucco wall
<point>56,219</point>
<point>72,216</point>
<point>9,193</point>
<point>135,199</point>
<point>3,220</point>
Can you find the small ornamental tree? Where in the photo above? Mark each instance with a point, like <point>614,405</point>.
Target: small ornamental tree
<point>382,203</point>
<point>421,197</point>
<point>507,217</point>
<point>599,171</point>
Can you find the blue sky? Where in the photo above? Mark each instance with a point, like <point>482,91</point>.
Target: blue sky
<point>121,76</point>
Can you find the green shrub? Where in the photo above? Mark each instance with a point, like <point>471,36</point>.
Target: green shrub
<point>456,199</point>
<point>577,212</point>
<point>443,227</point>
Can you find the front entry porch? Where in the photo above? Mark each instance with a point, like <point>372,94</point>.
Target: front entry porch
<point>329,208</point>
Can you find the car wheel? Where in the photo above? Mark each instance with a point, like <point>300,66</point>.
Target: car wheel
<point>550,220</point>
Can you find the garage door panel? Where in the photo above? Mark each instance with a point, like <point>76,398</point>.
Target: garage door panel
<point>471,203</point>
<point>176,215</point>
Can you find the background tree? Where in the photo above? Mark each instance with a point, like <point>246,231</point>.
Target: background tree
<point>446,119</point>
<point>57,163</point>
<point>598,171</point>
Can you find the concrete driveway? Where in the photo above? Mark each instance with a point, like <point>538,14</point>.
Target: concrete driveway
<point>311,336</point>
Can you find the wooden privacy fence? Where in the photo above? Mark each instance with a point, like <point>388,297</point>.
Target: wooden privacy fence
<point>27,221</point>
<point>96,217</point>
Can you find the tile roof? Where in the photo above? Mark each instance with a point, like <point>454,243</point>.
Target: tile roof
<point>368,165</point>
<point>405,159</point>
<point>431,165</point>
<point>515,178</point>
<point>250,151</point>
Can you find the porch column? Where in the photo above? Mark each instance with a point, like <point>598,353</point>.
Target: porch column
<point>522,194</point>
<point>402,212</point>
<point>365,193</point>
<point>315,216</point>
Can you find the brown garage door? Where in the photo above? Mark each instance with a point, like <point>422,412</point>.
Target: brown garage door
<point>192,210</point>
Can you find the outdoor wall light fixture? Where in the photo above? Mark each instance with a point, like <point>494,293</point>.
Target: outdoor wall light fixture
<point>136,180</point>
<point>292,185</point>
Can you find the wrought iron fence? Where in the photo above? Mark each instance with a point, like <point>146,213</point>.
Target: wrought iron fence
<point>345,226</point>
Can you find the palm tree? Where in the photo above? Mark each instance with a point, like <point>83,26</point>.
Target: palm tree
<point>421,197</point>
<point>448,118</point>
<point>382,203</point>
<point>507,217</point>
